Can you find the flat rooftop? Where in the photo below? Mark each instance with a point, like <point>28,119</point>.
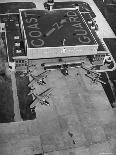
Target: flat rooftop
<point>55,26</point>
<point>47,33</point>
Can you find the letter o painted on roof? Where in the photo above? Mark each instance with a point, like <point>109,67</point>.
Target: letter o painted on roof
<point>35,34</point>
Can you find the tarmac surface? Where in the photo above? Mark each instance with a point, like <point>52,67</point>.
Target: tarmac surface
<point>79,120</point>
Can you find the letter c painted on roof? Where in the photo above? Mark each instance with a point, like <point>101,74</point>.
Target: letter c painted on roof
<point>37,43</point>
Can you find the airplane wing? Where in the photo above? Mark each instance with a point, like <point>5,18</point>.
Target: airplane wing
<point>40,76</point>
<point>50,66</point>
<point>74,63</point>
<point>34,103</point>
<point>31,83</point>
<point>44,74</point>
<point>90,70</point>
<point>35,79</point>
<point>46,93</point>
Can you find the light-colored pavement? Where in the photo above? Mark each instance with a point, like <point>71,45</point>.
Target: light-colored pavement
<point>17,116</point>
<point>79,120</point>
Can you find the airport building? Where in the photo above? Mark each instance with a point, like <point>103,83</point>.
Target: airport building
<point>36,34</point>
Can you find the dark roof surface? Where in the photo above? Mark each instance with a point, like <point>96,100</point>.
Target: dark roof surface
<point>12,30</point>
<point>55,28</point>
<point>111,44</point>
<point>13,7</point>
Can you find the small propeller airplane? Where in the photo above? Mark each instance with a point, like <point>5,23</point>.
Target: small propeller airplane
<point>41,98</point>
<point>90,71</point>
<point>95,79</point>
<point>39,79</point>
<point>93,75</point>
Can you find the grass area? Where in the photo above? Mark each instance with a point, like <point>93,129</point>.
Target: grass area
<point>6,96</point>
<point>24,99</point>
<point>6,100</point>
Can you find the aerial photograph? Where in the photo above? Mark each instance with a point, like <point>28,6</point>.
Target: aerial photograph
<point>57,77</point>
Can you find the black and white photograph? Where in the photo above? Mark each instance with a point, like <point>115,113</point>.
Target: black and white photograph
<point>57,77</point>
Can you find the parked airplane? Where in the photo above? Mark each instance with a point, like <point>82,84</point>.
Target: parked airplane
<point>74,64</point>
<point>90,71</point>
<point>39,79</point>
<point>41,98</point>
<point>95,79</point>
<point>92,74</point>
